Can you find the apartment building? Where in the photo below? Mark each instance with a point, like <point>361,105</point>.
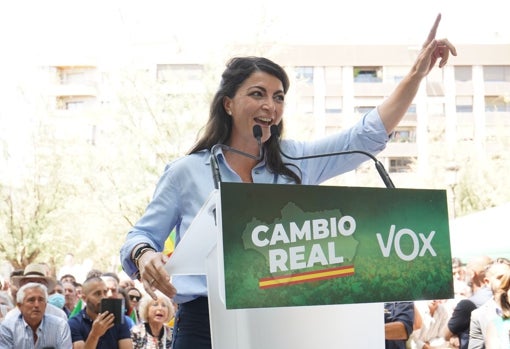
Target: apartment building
<point>465,104</point>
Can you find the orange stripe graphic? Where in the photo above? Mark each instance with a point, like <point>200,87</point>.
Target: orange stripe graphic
<point>285,280</point>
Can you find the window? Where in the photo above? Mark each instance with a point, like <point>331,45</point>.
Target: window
<point>333,105</point>
<point>74,105</point>
<point>363,109</point>
<point>496,73</point>
<point>368,74</point>
<point>75,75</point>
<point>74,102</point>
<point>304,74</point>
<point>464,104</point>
<point>497,104</point>
<point>404,135</point>
<point>400,164</point>
<point>395,74</point>
<point>464,108</point>
<point>463,73</point>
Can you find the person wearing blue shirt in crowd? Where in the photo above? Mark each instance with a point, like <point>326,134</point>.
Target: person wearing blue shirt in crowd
<point>33,328</point>
<point>398,323</point>
<point>252,92</point>
<point>92,329</point>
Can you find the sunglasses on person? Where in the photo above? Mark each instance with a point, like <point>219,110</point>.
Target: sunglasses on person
<point>134,298</point>
<point>499,260</point>
<point>503,260</point>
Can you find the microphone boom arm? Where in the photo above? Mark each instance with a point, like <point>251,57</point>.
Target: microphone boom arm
<point>378,165</point>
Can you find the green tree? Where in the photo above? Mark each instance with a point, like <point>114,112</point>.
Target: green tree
<point>30,204</point>
<point>81,192</point>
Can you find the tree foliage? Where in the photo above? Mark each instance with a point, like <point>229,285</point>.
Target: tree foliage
<point>81,194</point>
<point>32,203</point>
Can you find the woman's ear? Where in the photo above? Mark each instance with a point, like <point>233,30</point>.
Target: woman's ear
<point>227,103</point>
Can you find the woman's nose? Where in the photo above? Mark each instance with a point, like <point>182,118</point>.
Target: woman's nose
<point>269,105</point>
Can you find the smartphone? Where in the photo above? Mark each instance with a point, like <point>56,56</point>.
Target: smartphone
<point>114,306</point>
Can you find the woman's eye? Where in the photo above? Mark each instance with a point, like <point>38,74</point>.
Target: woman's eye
<point>280,98</point>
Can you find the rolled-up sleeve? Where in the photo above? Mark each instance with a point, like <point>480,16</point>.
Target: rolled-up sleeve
<point>157,222</point>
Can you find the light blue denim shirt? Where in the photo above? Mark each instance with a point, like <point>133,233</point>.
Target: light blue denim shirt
<point>53,332</point>
<point>187,183</point>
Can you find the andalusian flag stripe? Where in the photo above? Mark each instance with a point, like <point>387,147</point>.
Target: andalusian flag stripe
<point>298,278</point>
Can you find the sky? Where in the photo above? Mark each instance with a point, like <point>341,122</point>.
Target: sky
<point>33,28</point>
<point>37,33</point>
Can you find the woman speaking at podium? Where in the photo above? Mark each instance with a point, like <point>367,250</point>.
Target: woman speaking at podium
<point>251,93</point>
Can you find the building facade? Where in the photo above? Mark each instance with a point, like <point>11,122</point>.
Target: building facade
<point>466,104</point>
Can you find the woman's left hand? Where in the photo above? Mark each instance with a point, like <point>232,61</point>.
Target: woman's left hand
<point>432,50</point>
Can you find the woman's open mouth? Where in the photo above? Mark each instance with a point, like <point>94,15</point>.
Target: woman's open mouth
<point>264,121</point>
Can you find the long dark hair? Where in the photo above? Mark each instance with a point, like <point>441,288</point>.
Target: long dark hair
<point>219,126</point>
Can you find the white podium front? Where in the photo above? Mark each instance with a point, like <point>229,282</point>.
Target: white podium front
<point>357,326</point>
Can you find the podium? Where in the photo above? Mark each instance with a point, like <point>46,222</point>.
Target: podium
<point>311,266</point>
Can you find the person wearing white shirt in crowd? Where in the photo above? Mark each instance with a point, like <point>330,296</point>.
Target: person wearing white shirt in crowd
<point>435,314</point>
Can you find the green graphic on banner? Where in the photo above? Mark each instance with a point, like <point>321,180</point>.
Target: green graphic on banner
<point>289,245</point>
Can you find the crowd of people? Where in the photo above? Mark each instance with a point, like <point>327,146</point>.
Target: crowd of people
<point>470,319</point>
<point>64,313</point>
<point>478,316</point>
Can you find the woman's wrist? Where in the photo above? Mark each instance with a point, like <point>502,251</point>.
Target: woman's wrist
<point>144,258</point>
<point>139,251</point>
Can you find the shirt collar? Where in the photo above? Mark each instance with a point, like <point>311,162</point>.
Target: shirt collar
<point>39,328</point>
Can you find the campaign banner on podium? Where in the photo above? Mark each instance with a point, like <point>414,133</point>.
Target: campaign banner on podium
<point>297,245</point>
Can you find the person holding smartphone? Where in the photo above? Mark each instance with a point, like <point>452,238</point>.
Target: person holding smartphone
<point>94,328</point>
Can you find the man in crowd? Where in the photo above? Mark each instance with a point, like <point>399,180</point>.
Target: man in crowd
<point>36,273</point>
<point>33,328</point>
<point>399,319</point>
<point>68,278</point>
<point>70,296</point>
<point>92,329</point>
<point>112,284</point>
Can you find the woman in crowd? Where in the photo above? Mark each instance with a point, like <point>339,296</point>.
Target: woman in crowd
<point>498,330</point>
<point>251,93</point>
<point>152,332</point>
<point>134,297</point>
